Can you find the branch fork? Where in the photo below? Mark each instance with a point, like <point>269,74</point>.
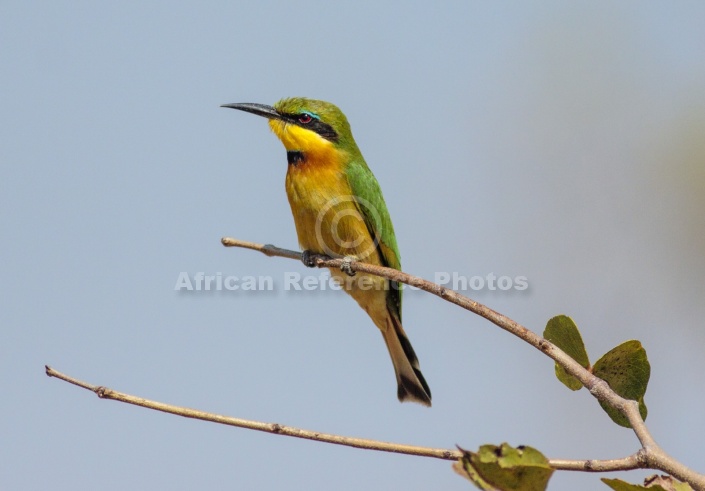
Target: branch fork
<point>650,455</point>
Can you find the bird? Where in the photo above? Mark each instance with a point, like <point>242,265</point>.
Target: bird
<point>339,210</point>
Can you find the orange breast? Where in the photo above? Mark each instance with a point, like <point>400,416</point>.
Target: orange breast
<point>325,213</point>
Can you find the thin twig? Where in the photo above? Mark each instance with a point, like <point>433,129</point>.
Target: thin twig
<point>278,429</point>
<point>626,463</point>
<point>652,455</point>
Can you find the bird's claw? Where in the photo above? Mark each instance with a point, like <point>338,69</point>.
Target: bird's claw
<point>307,257</point>
<point>346,266</point>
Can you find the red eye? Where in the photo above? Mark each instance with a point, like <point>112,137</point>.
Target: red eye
<point>305,118</point>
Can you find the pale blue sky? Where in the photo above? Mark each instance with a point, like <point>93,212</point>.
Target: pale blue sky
<point>561,142</point>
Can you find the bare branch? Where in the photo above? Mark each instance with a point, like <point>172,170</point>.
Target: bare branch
<point>652,455</point>
<point>278,429</point>
<point>627,463</point>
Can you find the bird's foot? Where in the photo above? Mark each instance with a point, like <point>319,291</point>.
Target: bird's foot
<point>308,257</point>
<point>346,266</point>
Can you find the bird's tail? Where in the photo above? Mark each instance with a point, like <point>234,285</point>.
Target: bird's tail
<point>411,384</point>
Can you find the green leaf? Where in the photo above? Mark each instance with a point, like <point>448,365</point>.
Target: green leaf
<point>668,483</point>
<point>562,331</point>
<point>465,469</point>
<point>651,483</point>
<point>505,468</point>
<point>626,369</point>
<point>619,485</point>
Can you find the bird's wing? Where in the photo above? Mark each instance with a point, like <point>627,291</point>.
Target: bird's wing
<point>371,205</point>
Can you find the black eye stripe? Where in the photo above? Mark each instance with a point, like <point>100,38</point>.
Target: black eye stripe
<point>314,124</point>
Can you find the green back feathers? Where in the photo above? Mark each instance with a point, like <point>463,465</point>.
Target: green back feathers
<point>372,206</point>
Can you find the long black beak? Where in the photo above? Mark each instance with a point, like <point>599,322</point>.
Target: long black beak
<point>259,109</point>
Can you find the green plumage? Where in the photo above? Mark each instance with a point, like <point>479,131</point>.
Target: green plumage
<point>365,186</point>
<point>326,169</point>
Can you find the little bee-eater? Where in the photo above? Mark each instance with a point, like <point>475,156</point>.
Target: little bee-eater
<point>339,210</point>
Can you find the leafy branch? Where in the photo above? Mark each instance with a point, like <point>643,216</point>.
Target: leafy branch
<point>503,467</point>
<point>649,456</point>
